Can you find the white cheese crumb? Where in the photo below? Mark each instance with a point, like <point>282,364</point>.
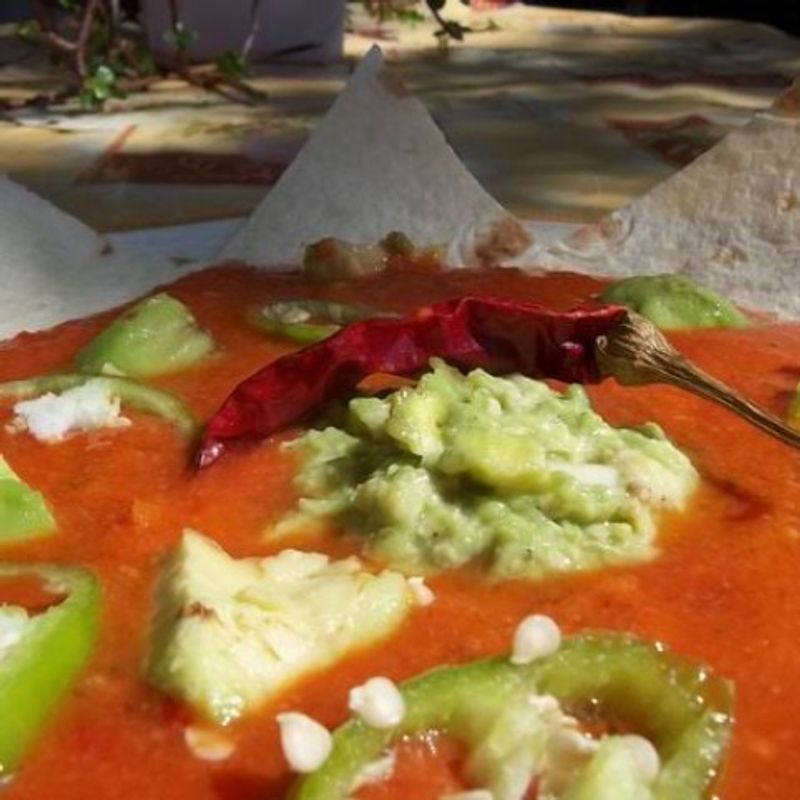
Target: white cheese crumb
<point>536,636</point>
<point>471,794</point>
<point>306,744</point>
<point>52,416</point>
<point>549,709</point>
<point>423,594</point>
<point>208,744</point>
<point>381,769</point>
<point>591,474</point>
<point>568,752</point>
<point>378,703</point>
<point>287,312</point>
<point>644,755</point>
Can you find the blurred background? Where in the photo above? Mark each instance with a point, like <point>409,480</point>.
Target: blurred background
<point>783,14</point>
<point>177,116</point>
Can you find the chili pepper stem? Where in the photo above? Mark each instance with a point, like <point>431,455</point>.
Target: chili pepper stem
<point>636,353</point>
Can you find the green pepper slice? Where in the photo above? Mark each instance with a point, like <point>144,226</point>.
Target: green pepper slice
<point>53,648</point>
<point>157,336</point>
<point>290,319</point>
<point>24,513</point>
<point>138,395</point>
<point>683,709</point>
<point>674,302</point>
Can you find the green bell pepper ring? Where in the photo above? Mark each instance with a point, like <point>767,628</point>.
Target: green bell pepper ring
<point>683,709</point>
<point>38,670</point>
<point>138,395</point>
<point>24,513</point>
<point>290,319</point>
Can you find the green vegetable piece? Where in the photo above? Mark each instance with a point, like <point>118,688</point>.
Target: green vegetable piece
<point>157,336</point>
<point>309,321</point>
<point>683,709</point>
<point>23,511</point>
<point>144,398</point>
<point>228,633</point>
<point>46,654</point>
<point>675,301</point>
<point>397,243</point>
<point>611,775</point>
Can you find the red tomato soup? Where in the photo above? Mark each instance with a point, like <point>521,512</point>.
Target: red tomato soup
<point>725,588</point>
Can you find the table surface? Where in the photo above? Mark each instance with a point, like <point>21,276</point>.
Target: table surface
<point>562,115</point>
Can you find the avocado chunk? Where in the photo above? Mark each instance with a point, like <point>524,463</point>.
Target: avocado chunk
<point>675,301</point>
<point>157,336</point>
<point>23,511</point>
<point>229,633</point>
<point>529,481</point>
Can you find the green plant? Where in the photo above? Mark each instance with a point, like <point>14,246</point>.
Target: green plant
<point>99,86</point>
<point>408,11</point>
<point>104,56</point>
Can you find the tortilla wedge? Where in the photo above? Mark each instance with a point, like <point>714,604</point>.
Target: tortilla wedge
<point>377,163</point>
<point>54,268</point>
<point>731,219</point>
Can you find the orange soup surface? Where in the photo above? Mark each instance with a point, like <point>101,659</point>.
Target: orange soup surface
<point>725,588</point>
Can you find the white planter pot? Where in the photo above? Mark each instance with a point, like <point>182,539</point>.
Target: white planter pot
<point>300,30</point>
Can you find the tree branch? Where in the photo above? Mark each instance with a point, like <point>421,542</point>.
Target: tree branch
<point>84,32</point>
<point>49,34</point>
<point>255,24</point>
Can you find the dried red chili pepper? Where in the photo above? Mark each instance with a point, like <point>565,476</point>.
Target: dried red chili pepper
<point>500,336</point>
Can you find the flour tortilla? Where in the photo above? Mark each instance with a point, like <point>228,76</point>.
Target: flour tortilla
<point>54,268</point>
<point>377,163</point>
<point>731,220</point>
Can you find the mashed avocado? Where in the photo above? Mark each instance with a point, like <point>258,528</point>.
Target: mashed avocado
<point>507,470</point>
<point>675,301</point>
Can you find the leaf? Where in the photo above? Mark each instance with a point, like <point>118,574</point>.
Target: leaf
<point>180,37</point>
<point>144,62</point>
<point>88,100</point>
<point>28,30</point>
<point>104,75</point>
<point>455,30</point>
<point>99,87</point>
<point>409,16</point>
<point>231,64</point>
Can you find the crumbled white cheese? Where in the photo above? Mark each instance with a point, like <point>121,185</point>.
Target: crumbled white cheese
<point>208,744</point>
<point>591,474</point>
<point>306,744</point>
<point>51,417</point>
<point>645,756</point>
<point>381,769</point>
<point>568,752</point>
<point>378,703</point>
<point>423,594</point>
<point>471,794</point>
<point>536,636</point>
<point>14,622</point>
<point>287,312</point>
<point>549,710</point>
